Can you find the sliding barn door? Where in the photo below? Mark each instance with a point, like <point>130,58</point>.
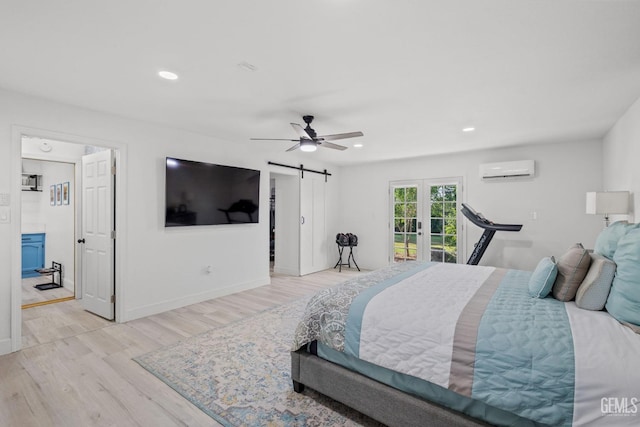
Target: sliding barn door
<point>313,226</point>
<point>287,228</point>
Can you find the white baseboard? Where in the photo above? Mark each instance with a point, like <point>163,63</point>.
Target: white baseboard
<point>161,307</point>
<point>69,285</point>
<point>5,346</point>
<point>285,270</point>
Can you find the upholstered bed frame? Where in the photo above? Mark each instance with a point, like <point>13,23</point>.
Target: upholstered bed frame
<point>380,402</point>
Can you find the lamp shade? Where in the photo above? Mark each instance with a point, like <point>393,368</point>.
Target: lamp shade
<point>608,202</point>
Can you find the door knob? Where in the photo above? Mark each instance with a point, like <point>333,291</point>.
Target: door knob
<point>80,240</point>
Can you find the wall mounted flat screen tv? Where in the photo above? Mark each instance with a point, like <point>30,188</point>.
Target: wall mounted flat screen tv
<point>198,193</point>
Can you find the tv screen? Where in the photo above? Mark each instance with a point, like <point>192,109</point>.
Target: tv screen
<point>199,193</point>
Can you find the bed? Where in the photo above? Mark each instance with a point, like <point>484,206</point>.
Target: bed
<point>449,344</point>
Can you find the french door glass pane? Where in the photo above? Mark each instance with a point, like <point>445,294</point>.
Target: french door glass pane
<point>444,232</point>
<point>411,210</point>
<point>450,210</point>
<point>436,242</point>
<point>436,209</point>
<point>405,218</point>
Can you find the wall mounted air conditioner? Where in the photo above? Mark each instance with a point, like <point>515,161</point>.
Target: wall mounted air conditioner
<point>520,168</point>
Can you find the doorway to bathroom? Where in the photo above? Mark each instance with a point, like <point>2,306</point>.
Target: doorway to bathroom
<point>67,224</point>
<point>48,230</point>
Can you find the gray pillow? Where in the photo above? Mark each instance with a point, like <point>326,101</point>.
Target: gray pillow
<point>594,289</point>
<point>572,267</point>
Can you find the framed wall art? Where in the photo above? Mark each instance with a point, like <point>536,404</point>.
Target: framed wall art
<point>58,194</point>
<point>65,193</point>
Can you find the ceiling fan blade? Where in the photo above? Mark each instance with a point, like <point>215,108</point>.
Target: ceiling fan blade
<point>340,136</point>
<point>300,131</point>
<point>328,144</point>
<point>294,147</point>
<point>272,139</point>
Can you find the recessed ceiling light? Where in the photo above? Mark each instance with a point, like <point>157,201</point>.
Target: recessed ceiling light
<point>168,75</point>
<point>358,145</point>
<point>468,129</point>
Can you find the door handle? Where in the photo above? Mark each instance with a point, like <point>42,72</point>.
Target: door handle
<point>302,220</point>
<point>80,240</point>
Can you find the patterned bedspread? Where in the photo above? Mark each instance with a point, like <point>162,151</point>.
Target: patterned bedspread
<point>476,332</point>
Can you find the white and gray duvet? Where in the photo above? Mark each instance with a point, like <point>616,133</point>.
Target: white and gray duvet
<point>476,338</point>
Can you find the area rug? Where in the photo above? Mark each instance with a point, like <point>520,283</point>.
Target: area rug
<point>239,374</point>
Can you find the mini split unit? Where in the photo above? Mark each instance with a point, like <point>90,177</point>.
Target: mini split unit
<point>521,168</point>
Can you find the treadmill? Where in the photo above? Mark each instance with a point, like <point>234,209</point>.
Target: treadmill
<point>490,229</point>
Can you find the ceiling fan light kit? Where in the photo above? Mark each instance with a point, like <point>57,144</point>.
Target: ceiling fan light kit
<point>307,145</point>
<point>309,140</point>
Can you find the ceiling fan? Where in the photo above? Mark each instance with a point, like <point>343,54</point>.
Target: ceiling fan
<point>308,139</point>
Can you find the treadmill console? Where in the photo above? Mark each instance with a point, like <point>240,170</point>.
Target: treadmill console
<point>490,229</point>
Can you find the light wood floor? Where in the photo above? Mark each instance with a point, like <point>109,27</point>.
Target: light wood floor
<point>77,368</point>
<point>31,295</point>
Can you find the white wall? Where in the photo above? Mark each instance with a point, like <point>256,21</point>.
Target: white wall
<point>622,158</point>
<point>564,173</point>
<point>57,222</point>
<point>160,268</point>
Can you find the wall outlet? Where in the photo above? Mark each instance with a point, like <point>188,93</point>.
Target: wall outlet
<point>5,215</point>
<point>5,199</point>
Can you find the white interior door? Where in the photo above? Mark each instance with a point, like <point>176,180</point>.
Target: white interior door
<point>97,242</point>
<point>313,226</point>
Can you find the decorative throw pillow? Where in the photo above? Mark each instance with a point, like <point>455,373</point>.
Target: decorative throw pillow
<point>543,277</point>
<point>624,300</point>
<point>594,289</point>
<point>572,267</point>
<point>607,240</point>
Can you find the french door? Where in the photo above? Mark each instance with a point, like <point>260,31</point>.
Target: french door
<point>425,220</point>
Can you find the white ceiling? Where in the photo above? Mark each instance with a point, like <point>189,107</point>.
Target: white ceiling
<point>409,74</point>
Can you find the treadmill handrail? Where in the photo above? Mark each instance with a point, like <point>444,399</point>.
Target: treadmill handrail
<point>482,222</point>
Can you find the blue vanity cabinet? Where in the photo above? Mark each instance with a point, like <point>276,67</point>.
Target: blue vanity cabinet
<point>32,254</point>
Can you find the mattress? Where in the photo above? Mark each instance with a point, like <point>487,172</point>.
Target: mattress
<point>471,338</point>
